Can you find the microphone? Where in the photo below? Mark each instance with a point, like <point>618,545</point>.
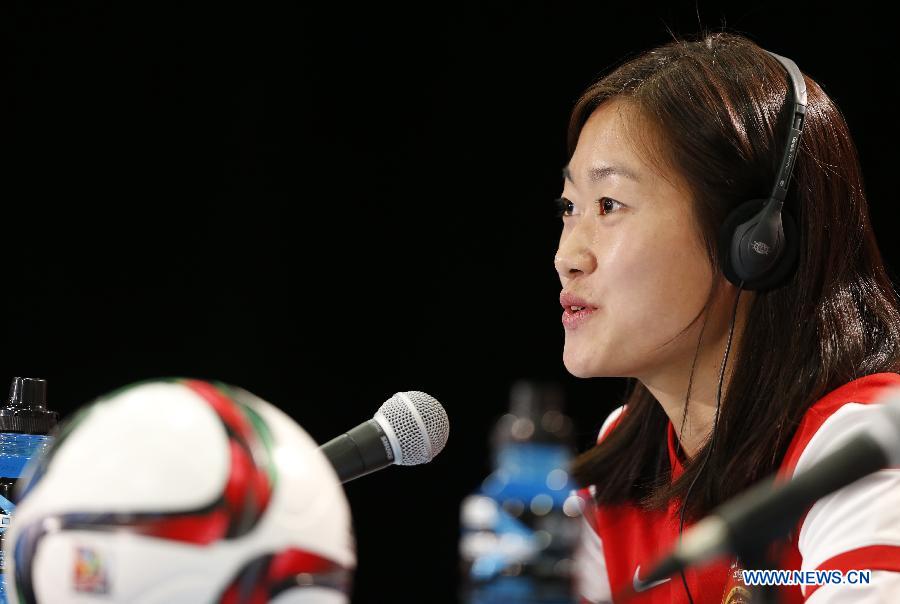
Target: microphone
<point>748,522</point>
<point>410,428</point>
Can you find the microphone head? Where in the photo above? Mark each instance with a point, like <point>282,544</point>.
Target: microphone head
<point>416,426</point>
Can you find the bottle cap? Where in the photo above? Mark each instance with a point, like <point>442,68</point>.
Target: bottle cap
<point>26,410</point>
<point>535,415</point>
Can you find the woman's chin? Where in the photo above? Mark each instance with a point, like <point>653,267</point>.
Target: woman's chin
<point>578,367</point>
<point>580,374</point>
<point>591,367</point>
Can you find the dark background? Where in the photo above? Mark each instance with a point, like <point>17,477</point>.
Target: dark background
<point>329,205</point>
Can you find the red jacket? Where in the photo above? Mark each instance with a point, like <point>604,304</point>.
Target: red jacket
<point>858,527</point>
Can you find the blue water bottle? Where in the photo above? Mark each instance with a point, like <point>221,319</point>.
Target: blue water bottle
<point>520,528</point>
<point>25,423</point>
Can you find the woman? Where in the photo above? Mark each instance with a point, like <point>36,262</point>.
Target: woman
<point>731,379</point>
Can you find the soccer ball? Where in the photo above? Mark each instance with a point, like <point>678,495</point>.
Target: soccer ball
<point>180,491</point>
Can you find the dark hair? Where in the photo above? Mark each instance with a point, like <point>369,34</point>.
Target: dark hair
<point>716,110</point>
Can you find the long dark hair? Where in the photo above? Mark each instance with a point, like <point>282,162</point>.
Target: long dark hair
<point>715,106</point>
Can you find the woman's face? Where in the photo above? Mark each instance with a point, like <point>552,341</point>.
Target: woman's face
<point>635,255</point>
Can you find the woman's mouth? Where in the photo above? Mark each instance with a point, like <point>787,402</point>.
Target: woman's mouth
<point>576,310</point>
<point>574,316</point>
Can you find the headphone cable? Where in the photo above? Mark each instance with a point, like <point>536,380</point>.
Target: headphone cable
<point>712,439</point>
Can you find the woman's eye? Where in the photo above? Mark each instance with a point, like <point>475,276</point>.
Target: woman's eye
<point>607,205</point>
<point>564,207</point>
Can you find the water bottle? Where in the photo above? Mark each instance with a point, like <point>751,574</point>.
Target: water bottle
<point>520,528</point>
<point>25,423</point>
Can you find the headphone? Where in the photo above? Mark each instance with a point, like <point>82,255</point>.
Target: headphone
<point>758,244</point>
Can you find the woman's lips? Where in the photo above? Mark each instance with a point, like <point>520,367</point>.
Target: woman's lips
<point>573,319</point>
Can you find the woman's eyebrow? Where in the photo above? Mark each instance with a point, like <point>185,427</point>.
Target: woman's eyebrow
<point>598,173</point>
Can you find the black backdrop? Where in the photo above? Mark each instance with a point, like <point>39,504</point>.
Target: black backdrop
<point>328,205</point>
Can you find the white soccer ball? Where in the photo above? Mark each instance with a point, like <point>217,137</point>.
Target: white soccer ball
<point>180,491</point>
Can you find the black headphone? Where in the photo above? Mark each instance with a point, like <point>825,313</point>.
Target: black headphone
<point>758,244</point>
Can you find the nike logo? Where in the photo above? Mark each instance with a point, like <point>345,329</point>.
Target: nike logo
<point>640,586</point>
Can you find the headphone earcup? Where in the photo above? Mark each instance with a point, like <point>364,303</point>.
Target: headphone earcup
<point>789,254</point>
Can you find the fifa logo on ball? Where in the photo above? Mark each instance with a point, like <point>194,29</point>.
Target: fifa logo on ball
<point>90,571</point>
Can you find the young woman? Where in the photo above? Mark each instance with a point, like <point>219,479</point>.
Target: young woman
<point>733,374</point>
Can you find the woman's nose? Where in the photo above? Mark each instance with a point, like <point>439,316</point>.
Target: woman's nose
<point>572,259</point>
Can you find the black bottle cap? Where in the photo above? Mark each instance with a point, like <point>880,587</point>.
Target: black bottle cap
<point>535,415</point>
<point>26,410</point>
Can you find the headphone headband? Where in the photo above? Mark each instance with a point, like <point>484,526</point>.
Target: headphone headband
<point>758,244</point>
<point>798,116</point>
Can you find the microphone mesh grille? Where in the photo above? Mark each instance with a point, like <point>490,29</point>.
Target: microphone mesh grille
<point>405,412</point>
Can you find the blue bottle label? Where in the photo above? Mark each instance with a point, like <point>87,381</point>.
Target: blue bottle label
<point>17,449</point>
<point>7,507</point>
<point>15,452</point>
